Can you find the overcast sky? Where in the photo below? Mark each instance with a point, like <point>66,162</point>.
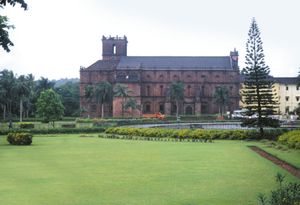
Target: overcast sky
<point>54,38</point>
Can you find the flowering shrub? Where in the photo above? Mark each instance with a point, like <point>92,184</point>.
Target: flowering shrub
<point>19,138</point>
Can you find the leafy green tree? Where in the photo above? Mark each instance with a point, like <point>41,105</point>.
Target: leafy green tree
<point>103,93</point>
<point>177,94</point>
<point>122,91</point>
<point>297,110</point>
<point>257,95</point>
<point>49,106</point>
<point>4,35</point>
<point>5,42</point>
<point>14,2</point>
<point>221,98</point>
<point>69,94</point>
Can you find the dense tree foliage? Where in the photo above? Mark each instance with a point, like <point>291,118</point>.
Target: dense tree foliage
<point>19,94</point>
<point>257,94</point>
<point>69,94</point>
<point>14,2</point>
<point>49,106</point>
<point>5,42</point>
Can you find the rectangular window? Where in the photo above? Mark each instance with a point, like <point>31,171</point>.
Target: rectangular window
<point>287,110</point>
<point>287,98</point>
<point>286,87</point>
<point>297,87</point>
<point>297,98</point>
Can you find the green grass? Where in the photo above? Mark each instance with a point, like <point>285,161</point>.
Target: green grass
<point>73,170</point>
<point>291,156</point>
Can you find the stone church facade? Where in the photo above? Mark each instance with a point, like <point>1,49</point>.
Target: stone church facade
<point>149,77</point>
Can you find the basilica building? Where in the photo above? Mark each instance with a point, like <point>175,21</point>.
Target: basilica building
<point>149,79</point>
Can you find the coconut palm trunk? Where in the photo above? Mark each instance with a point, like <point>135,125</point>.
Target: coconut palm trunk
<point>21,109</point>
<point>102,110</point>
<point>177,108</point>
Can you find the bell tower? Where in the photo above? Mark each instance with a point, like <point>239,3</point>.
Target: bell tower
<point>234,55</point>
<point>114,47</point>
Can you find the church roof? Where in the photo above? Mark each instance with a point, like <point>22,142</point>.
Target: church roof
<point>103,65</point>
<point>175,62</point>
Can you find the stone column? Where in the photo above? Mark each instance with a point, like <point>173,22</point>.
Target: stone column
<point>198,108</point>
<point>168,108</point>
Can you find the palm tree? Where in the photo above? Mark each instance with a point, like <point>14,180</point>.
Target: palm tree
<point>2,100</point>
<point>44,84</point>
<point>103,94</point>
<point>177,94</point>
<point>131,103</point>
<point>22,89</point>
<point>89,94</point>
<point>29,100</point>
<point>221,98</point>
<point>123,92</point>
<point>7,81</point>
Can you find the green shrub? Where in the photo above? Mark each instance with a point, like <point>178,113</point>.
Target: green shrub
<point>291,139</point>
<point>199,134</point>
<point>19,138</point>
<point>26,125</point>
<point>285,194</point>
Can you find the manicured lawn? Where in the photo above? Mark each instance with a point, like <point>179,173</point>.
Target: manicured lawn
<point>72,170</point>
<point>291,156</point>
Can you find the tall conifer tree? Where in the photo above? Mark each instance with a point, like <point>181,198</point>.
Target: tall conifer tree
<point>257,93</point>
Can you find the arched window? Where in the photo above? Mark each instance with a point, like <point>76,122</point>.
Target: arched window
<point>114,49</point>
<point>162,108</point>
<point>189,78</point>
<point>147,107</point>
<point>161,89</point>
<point>173,109</point>
<point>202,90</point>
<point>161,77</point>
<point>148,90</point>
<point>175,78</point>
<point>189,90</point>
<point>189,110</point>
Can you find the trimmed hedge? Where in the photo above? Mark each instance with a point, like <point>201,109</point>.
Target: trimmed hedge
<point>26,125</point>
<point>55,130</point>
<point>68,125</point>
<point>101,121</point>
<point>291,139</point>
<point>19,138</point>
<point>194,134</point>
